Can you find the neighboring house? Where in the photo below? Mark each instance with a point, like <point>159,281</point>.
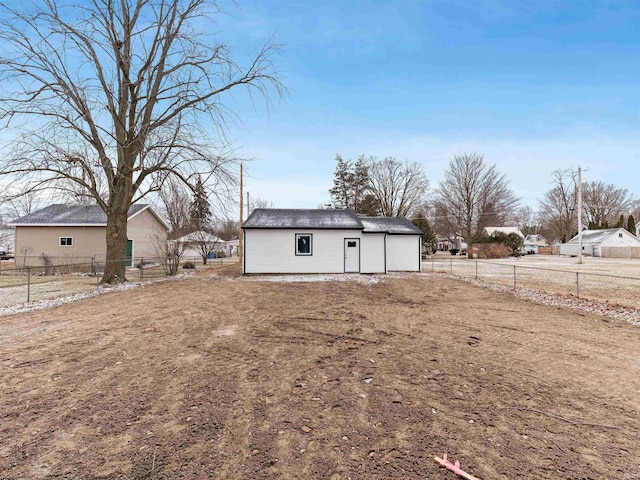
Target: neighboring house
<point>507,230</point>
<point>536,239</point>
<point>445,244</point>
<point>196,243</point>
<point>77,233</point>
<point>609,243</point>
<point>328,241</point>
<point>230,247</point>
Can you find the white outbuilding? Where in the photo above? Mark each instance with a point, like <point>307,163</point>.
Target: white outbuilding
<point>328,241</point>
<point>608,243</point>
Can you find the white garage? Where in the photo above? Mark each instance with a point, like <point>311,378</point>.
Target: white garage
<point>328,241</point>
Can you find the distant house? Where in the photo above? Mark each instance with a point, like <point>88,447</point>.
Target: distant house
<point>77,233</point>
<point>536,239</point>
<point>506,230</point>
<point>196,243</point>
<point>328,241</point>
<point>608,243</point>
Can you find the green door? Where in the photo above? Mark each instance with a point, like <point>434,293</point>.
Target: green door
<point>129,256</point>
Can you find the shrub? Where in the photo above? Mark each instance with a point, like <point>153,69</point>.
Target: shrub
<point>490,250</point>
<point>189,265</point>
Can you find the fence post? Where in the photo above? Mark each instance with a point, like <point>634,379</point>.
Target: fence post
<point>451,267</point>
<point>432,266</point>
<point>28,284</point>
<point>577,284</point>
<point>514,277</point>
<point>141,268</point>
<point>476,270</point>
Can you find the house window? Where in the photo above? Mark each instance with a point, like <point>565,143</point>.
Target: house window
<point>304,244</point>
<point>352,244</point>
<point>619,235</point>
<point>66,241</point>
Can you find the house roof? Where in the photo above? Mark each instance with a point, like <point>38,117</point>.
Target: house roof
<point>598,236</point>
<point>396,225</point>
<point>74,215</point>
<point>294,218</point>
<point>507,230</point>
<point>327,219</point>
<point>199,236</point>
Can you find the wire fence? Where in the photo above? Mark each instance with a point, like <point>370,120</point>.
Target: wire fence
<point>620,290</point>
<point>55,279</point>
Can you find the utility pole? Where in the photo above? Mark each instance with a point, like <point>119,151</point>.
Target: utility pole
<point>579,215</point>
<point>248,212</point>
<point>240,224</point>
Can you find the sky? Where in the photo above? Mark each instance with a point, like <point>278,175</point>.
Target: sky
<point>533,86</point>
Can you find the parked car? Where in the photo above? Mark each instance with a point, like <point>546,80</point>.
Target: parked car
<point>5,255</point>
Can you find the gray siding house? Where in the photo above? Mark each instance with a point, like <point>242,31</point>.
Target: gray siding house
<point>328,241</point>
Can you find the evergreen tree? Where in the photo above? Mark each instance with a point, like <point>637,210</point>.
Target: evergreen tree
<point>342,191</point>
<point>200,209</point>
<point>631,224</point>
<point>428,235</point>
<point>620,223</point>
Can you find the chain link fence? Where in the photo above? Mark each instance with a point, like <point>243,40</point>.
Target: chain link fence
<point>592,286</point>
<point>55,278</point>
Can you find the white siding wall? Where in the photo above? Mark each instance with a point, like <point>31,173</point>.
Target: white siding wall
<point>614,240</point>
<point>372,253</point>
<point>403,253</point>
<point>274,251</point>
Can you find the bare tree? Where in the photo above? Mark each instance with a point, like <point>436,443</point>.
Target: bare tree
<point>604,203</point>
<point>259,203</point>
<point>205,243</point>
<point>16,202</point>
<point>473,195</point>
<point>122,95</point>
<point>558,206</point>
<point>398,187</point>
<point>527,220</point>
<point>175,200</point>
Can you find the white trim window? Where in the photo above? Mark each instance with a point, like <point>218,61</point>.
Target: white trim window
<point>304,244</point>
<point>66,241</point>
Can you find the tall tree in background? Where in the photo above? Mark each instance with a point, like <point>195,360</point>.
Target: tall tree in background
<point>428,235</point>
<point>631,225</point>
<point>200,208</point>
<point>527,220</point>
<point>558,206</point>
<point>175,202</point>
<point>351,187</point>
<point>115,93</point>
<point>604,203</point>
<point>342,191</point>
<point>398,187</point>
<point>472,195</point>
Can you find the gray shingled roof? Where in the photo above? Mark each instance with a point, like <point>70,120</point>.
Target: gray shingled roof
<point>61,214</point>
<point>327,219</point>
<point>397,225</point>
<point>298,218</point>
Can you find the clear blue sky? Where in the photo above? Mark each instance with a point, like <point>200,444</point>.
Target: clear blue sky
<point>533,85</point>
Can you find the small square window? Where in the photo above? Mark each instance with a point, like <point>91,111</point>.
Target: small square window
<point>304,244</point>
<point>351,244</point>
<point>66,241</point>
<point>619,235</point>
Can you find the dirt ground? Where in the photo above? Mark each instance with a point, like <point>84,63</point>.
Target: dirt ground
<point>223,377</point>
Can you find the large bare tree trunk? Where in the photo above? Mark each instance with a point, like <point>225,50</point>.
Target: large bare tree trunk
<point>114,269</point>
